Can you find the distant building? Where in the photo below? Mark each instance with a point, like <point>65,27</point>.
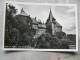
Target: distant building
<point>52,26</point>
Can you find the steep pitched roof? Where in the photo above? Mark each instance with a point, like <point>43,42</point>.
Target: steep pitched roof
<point>50,18</point>
<point>57,24</point>
<point>23,13</point>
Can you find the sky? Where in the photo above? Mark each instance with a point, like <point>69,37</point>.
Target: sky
<point>65,15</point>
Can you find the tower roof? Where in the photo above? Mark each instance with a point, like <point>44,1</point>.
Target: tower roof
<point>50,18</point>
<point>57,24</point>
<point>23,12</point>
<point>50,14</point>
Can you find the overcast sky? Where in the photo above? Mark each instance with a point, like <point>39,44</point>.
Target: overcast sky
<point>65,15</point>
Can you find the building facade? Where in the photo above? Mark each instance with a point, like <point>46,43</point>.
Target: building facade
<point>51,26</point>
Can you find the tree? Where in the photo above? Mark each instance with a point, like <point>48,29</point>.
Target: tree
<point>60,35</point>
<point>9,24</point>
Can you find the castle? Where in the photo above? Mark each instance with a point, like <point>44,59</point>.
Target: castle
<point>51,26</point>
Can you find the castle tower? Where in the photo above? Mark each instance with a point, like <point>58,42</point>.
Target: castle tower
<point>50,24</point>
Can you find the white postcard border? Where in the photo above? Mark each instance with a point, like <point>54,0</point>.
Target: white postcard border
<point>50,4</point>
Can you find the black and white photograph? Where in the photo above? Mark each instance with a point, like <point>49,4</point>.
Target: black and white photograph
<point>41,27</point>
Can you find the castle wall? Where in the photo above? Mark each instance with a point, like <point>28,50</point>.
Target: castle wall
<point>58,29</point>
